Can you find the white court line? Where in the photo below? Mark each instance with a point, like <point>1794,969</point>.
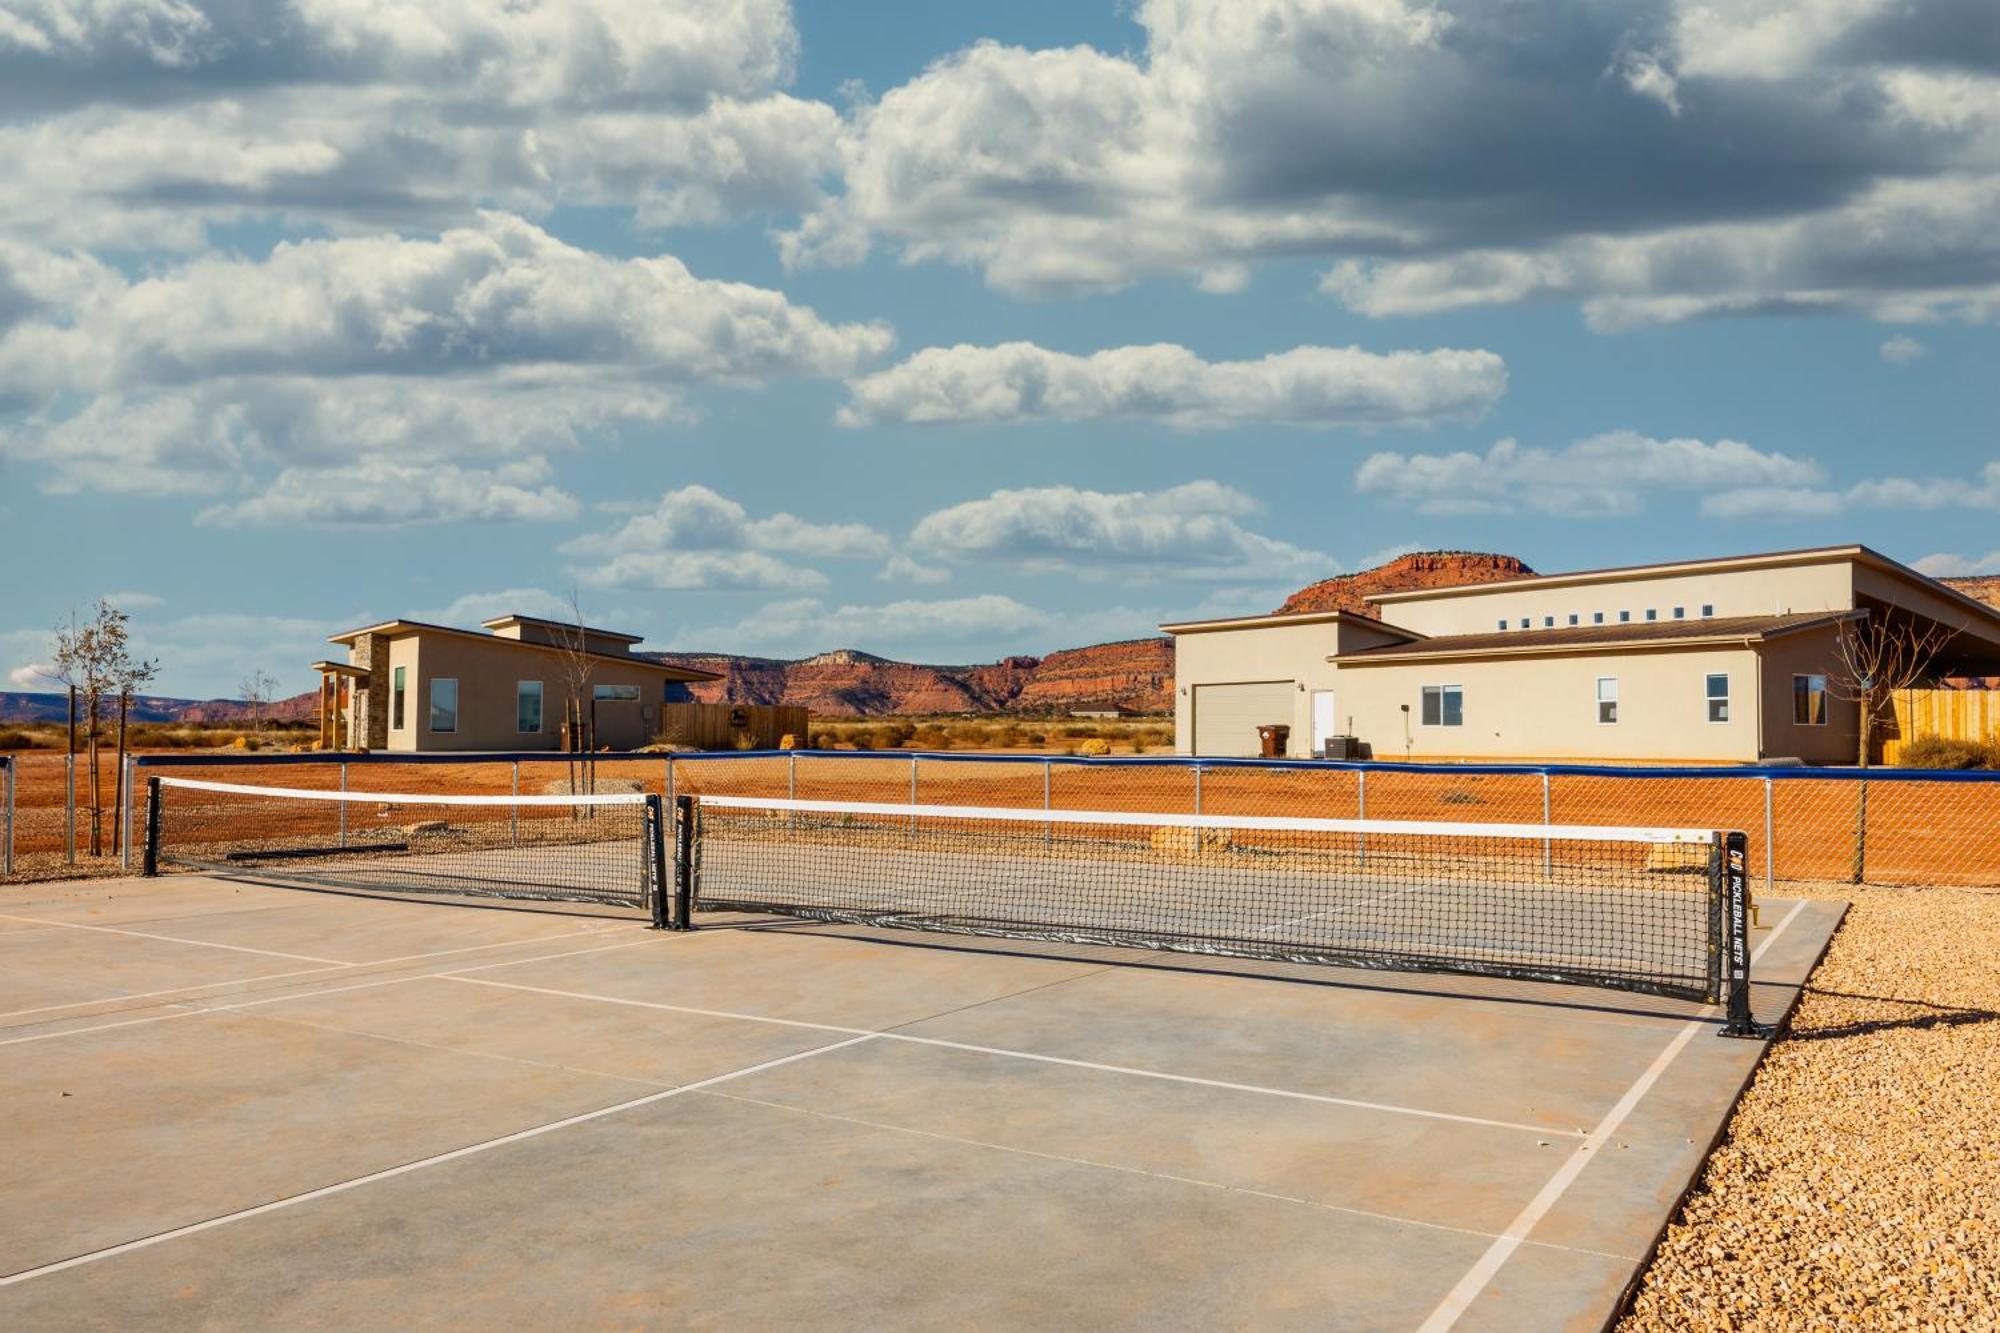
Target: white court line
<point>1036,1057</point>
<point>173,939</point>
<point>179,1012</point>
<point>303,972</point>
<point>1461,1296</point>
<point>406,1168</point>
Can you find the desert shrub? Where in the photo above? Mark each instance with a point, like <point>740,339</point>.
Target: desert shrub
<point>743,741</point>
<point>1947,752</point>
<point>930,737</point>
<point>1037,738</point>
<point>1096,745</point>
<point>247,743</point>
<point>1006,736</point>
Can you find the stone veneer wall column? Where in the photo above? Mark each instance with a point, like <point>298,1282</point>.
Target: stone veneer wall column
<point>371,696</point>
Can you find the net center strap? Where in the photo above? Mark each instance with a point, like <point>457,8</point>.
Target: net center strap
<point>1245,823</point>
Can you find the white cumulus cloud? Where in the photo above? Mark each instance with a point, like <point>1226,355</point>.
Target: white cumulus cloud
<point>1670,160</point>
<point>1193,531</point>
<point>696,538</point>
<point>1603,475</point>
<point>1306,386</point>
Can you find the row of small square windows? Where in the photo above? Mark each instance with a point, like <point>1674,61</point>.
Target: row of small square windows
<point>1624,617</point>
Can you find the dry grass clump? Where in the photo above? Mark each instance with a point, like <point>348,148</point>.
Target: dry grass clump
<point>1859,1186</point>
<point>1121,735</point>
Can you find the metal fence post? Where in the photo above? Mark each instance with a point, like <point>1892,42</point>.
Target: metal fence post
<point>69,809</point>
<point>1770,841</point>
<point>7,800</point>
<point>1197,788</point>
<point>343,804</point>
<point>913,793</point>
<point>1548,850</point>
<point>125,821</point>
<point>1361,809</point>
<point>1048,829</point>
<point>514,810</point>
<point>670,779</point>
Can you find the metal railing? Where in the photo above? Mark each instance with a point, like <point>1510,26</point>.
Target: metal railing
<point>1876,826</point>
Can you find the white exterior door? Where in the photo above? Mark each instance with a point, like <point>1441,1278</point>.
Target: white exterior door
<point>1324,725</point>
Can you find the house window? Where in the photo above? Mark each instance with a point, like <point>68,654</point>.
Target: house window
<point>1524,622</point>
<point>1444,706</point>
<point>444,704</point>
<point>1607,700</point>
<point>1718,698</point>
<point>1652,614</point>
<point>1503,622</point>
<point>527,706</point>
<point>397,679</point>
<point>1706,610</point>
<point>1680,613</point>
<point>1624,617</point>
<point>1809,701</point>
<point>1548,622</point>
<point>615,693</point>
<point>1572,617</point>
<point>1597,617</point>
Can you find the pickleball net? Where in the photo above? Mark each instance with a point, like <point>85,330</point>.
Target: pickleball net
<point>587,848</point>
<point>1637,909</point>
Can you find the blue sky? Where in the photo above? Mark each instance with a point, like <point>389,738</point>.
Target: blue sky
<point>948,332</point>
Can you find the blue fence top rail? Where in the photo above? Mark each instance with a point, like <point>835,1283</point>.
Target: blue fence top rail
<point>1778,772</point>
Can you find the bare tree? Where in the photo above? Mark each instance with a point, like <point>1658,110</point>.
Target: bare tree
<point>1878,656</point>
<point>256,691</point>
<point>127,675</point>
<point>68,666</point>
<point>1874,659</point>
<point>577,664</point>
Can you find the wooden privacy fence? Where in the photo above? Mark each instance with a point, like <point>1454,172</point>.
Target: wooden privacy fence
<point>732,726</point>
<point>1956,715</point>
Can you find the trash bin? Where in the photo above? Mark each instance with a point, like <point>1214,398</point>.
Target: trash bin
<point>1271,740</point>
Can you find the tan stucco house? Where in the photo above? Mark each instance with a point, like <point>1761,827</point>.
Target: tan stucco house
<point>1723,660</point>
<point>410,685</point>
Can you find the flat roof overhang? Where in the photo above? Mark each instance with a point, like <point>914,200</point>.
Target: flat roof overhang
<point>341,669</point>
<point>1563,643</point>
<point>397,629</point>
<point>1289,618</point>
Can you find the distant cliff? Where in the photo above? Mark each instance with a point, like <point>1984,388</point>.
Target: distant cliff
<point>847,683</point>
<point>1419,569</point>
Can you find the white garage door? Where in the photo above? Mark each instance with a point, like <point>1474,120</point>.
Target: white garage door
<point>1226,717</point>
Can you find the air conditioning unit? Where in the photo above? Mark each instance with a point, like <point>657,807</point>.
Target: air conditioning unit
<point>1340,747</point>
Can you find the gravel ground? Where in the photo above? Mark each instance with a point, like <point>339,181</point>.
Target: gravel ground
<point>1859,1185</point>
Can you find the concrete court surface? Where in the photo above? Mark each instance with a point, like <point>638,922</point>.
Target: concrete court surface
<point>234,1105</point>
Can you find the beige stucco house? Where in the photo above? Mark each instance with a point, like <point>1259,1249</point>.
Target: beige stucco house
<point>409,685</point>
<point>1725,660</point>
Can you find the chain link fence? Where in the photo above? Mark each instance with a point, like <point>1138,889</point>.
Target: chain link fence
<point>1877,826</point>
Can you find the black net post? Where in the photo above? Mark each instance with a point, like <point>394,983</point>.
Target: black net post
<point>152,864</point>
<point>683,863</point>
<point>656,860</point>
<point>1736,907</point>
